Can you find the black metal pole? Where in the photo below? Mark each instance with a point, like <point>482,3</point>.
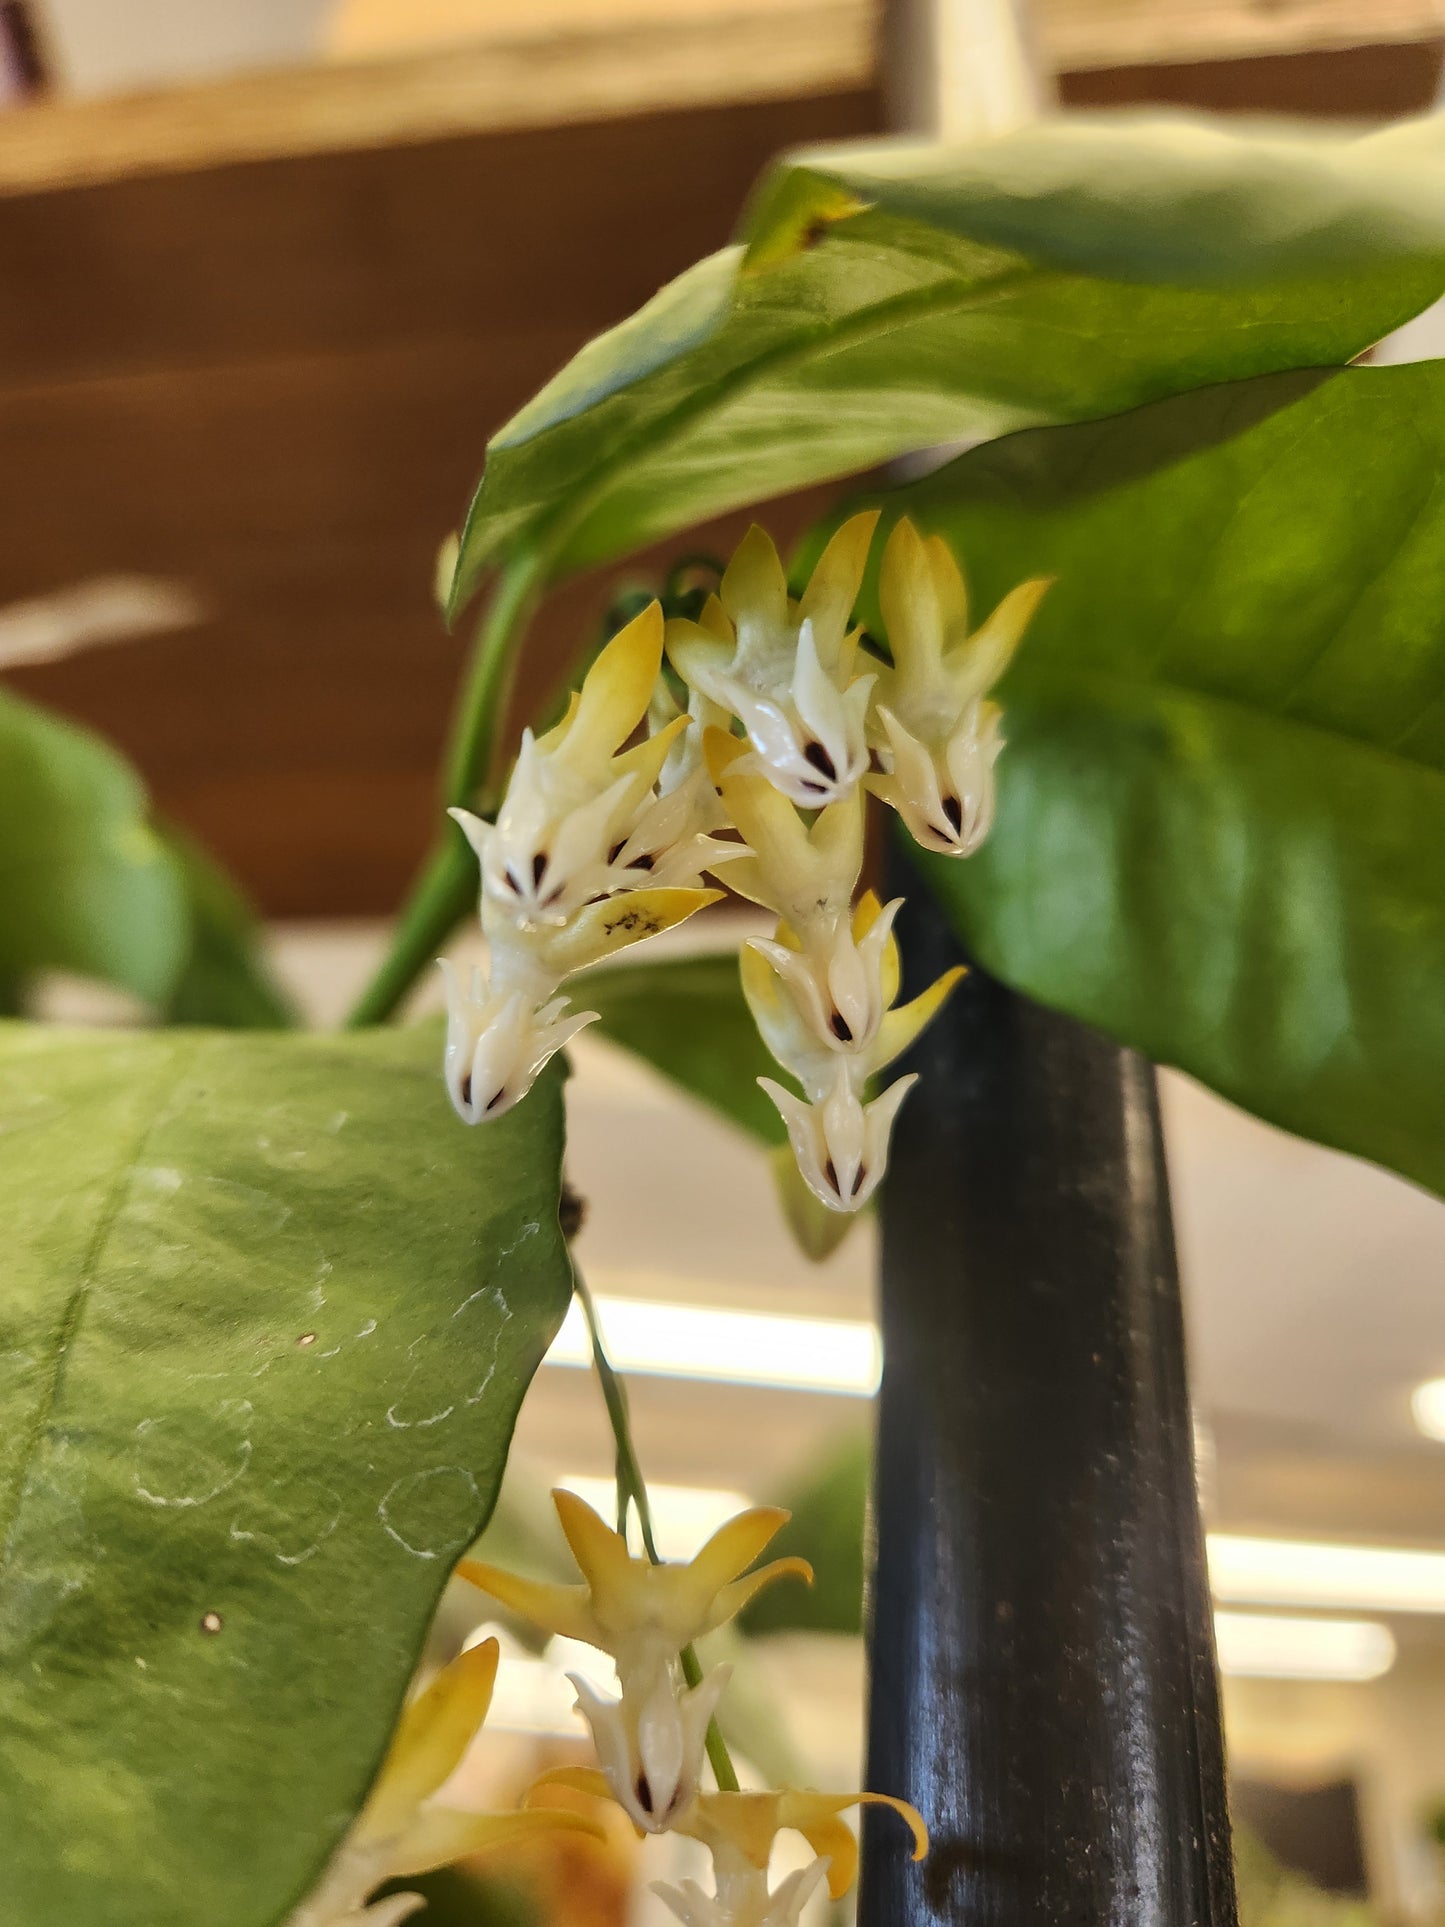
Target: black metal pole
<point>1043,1682</point>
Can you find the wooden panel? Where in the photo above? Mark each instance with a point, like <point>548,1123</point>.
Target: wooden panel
<point>1079,34</point>
<point>1356,83</point>
<point>275,381</point>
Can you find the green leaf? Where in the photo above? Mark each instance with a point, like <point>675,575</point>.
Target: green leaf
<point>224,980</point>
<point>86,883</point>
<point>269,1313</point>
<point>688,1018</point>
<point>887,298</point>
<point>1222,808</point>
<point>828,1507</point>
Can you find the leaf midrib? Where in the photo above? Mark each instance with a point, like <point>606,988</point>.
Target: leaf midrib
<point>553,528</point>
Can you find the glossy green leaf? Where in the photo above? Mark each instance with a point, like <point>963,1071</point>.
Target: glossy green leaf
<point>688,1018</point>
<point>886,298</point>
<point>224,979</point>
<point>1222,807</point>
<point>269,1313</point>
<point>85,882</point>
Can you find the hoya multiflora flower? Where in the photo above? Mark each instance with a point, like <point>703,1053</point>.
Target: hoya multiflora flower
<point>789,671</point>
<point>585,857</point>
<point>739,1831</point>
<point>650,1740</point>
<point>404,1829</point>
<point>935,732</point>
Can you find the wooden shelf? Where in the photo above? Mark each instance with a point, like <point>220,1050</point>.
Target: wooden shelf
<point>1079,35</point>
<point>798,49</point>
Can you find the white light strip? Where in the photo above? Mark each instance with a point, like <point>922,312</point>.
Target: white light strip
<point>1427,1403</point>
<point>1292,1572</point>
<point>684,1517</point>
<point>735,1347</point>
<point>1263,1646</point>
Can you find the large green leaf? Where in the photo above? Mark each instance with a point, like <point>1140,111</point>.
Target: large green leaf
<point>688,1018</point>
<point>1222,810</point>
<point>85,882</point>
<point>269,1312</point>
<point>886,298</point>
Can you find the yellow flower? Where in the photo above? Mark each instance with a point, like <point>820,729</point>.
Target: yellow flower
<point>804,872</point>
<point>936,735</point>
<point>785,668</point>
<point>739,1830</point>
<point>402,1829</point>
<point>815,1005</point>
<point>627,1606</point>
<point>575,794</point>
<point>650,1741</point>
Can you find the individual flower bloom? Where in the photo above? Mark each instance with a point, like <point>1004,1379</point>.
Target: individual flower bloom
<point>574,792</point>
<point>814,1006</point>
<point>785,669</point>
<point>945,796</point>
<point>643,1615</point>
<point>497,1044</point>
<point>936,736</point>
<point>651,1741</point>
<point>403,1829</point>
<point>840,1143</point>
<point>671,841</point>
<point>739,1830</point>
<point>804,872</point>
<point>840,988</point>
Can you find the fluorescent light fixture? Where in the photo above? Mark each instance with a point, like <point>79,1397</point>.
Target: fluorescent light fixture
<point>683,1516</point>
<point>733,1347</point>
<point>1427,1403</point>
<point>1270,1646</point>
<point>1292,1572</point>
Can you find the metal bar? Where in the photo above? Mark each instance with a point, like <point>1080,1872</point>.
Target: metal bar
<point>1043,1681</point>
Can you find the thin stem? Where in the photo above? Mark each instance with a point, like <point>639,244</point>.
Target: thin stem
<point>440,895</point>
<point>482,704</point>
<point>632,1488</point>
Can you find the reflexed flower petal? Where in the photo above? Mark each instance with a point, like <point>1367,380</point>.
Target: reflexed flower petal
<point>650,1742</point>
<point>841,1144</point>
<point>497,1044</point>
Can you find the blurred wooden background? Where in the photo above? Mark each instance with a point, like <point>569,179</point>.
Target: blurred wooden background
<point>255,336</point>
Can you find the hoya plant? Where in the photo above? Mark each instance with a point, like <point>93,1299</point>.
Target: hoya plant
<point>1143,667</point>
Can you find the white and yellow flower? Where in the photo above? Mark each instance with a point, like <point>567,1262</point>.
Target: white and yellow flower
<point>787,670</point>
<point>936,734</point>
<point>839,1141</point>
<point>404,1829</point>
<point>805,873</point>
<point>814,1005</point>
<point>739,1831</point>
<point>651,1740</point>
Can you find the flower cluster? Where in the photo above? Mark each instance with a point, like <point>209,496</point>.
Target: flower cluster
<point>789,722</point>
<point>590,851</point>
<point>404,1829</point>
<point>650,1741</point>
